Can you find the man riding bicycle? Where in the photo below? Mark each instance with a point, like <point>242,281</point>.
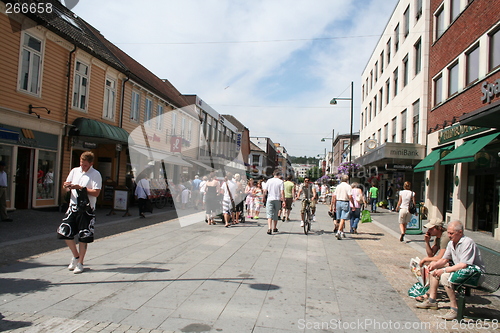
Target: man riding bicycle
<point>309,198</point>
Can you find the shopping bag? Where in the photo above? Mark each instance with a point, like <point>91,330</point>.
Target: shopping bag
<point>365,216</point>
<point>418,290</point>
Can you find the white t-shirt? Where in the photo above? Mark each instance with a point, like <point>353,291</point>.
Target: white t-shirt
<point>91,179</point>
<point>233,187</point>
<point>142,189</point>
<point>274,187</point>
<point>405,198</point>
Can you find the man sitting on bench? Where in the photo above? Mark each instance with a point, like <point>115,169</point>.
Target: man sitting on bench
<point>464,253</point>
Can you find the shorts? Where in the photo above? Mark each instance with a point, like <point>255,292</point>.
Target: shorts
<point>312,204</point>
<point>77,223</point>
<point>343,210</point>
<point>404,216</point>
<point>272,209</point>
<point>227,207</point>
<point>288,203</point>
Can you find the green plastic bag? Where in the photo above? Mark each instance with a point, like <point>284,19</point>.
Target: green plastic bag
<point>417,290</point>
<point>365,216</point>
<point>469,276</point>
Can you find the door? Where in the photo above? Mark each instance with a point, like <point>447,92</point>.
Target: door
<point>484,203</point>
<point>24,177</point>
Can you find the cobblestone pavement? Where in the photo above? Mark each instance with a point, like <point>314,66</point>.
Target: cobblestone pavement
<point>154,276</point>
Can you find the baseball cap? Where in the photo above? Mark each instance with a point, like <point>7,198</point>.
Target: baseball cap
<point>434,223</point>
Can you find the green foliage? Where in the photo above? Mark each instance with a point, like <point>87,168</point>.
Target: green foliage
<point>304,160</point>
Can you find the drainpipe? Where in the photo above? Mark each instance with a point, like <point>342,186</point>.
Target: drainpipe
<point>122,99</point>
<point>66,115</point>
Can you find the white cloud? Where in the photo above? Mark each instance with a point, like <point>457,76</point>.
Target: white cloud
<point>240,54</point>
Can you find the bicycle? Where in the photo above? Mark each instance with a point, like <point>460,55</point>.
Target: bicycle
<point>307,216</point>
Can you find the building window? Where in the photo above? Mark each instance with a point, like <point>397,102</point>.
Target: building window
<point>109,99</point>
<point>366,116</point>
<point>472,59</point>
<point>438,90</point>
<point>371,80</point>
<point>405,71</point>
<point>395,80</point>
<point>403,126</point>
<point>448,187</point>
<point>148,112</point>
<point>374,106</point>
<point>379,136</point>
<point>454,10</point>
<point>406,16</point>
<point>394,128</point>
<point>418,9</point>
<point>370,112</point>
<point>159,117</point>
<point>31,61</point>
<point>396,39</point>
<point>388,51</point>
<point>376,71</point>
<point>183,128</point>
<point>439,20</point>
<point>380,99</point>
<point>174,124</point>
<point>387,91</point>
<point>80,87</point>
<point>381,62</point>
<point>135,106</point>
<point>386,132</point>
<point>362,120</point>
<point>418,56</point>
<point>453,79</point>
<point>494,49</point>
<point>416,116</point>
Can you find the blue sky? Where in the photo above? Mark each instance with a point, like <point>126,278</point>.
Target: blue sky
<point>273,64</point>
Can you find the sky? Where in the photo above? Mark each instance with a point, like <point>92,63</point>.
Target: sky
<point>273,64</point>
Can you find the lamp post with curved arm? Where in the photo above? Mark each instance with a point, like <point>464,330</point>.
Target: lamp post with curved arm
<point>334,102</point>
<point>333,139</point>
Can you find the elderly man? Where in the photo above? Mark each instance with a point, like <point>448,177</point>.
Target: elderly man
<point>463,252</point>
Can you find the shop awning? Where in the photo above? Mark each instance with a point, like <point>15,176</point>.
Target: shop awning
<point>95,129</point>
<point>465,153</point>
<point>155,155</point>
<point>203,165</point>
<point>431,159</point>
<point>8,134</point>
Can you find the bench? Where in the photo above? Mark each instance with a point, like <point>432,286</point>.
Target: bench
<point>490,284</point>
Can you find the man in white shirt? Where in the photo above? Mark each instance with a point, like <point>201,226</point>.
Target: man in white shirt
<point>85,184</point>
<point>3,193</point>
<point>229,188</point>
<point>340,204</point>
<point>275,199</point>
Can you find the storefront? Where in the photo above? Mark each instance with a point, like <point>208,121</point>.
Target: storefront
<point>462,176</point>
<point>392,163</point>
<point>32,163</point>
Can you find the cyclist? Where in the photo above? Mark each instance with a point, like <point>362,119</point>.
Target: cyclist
<point>309,197</point>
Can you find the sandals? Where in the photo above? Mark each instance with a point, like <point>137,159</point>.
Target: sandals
<point>421,298</point>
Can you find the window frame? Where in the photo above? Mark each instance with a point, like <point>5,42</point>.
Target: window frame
<point>453,78</point>
<point>76,87</point>
<point>493,37</point>
<point>475,48</point>
<point>406,20</point>
<point>107,106</point>
<point>135,105</point>
<point>435,81</point>
<point>148,112</point>
<point>25,47</point>
<point>417,47</point>
<point>159,116</point>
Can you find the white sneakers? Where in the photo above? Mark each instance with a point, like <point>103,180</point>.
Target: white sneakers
<point>78,269</point>
<point>314,218</point>
<point>75,266</point>
<point>72,264</point>
<point>301,224</point>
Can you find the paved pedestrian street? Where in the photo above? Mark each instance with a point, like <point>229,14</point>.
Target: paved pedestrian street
<point>201,278</point>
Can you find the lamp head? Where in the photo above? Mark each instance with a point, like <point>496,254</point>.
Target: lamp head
<point>323,140</point>
<point>333,101</point>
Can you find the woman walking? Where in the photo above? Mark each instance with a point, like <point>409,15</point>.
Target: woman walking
<point>212,189</point>
<point>249,197</point>
<point>258,200</point>
<point>403,203</point>
<point>359,199</point>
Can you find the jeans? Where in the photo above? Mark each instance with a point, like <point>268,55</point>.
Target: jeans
<point>391,204</point>
<point>373,203</point>
<point>355,216</point>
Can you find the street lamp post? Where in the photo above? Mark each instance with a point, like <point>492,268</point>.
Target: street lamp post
<point>334,102</point>
<point>333,139</point>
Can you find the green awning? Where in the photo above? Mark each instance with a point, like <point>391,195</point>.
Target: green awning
<point>465,153</point>
<point>430,160</point>
<point>96,129</point>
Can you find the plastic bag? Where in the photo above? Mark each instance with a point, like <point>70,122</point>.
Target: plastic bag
<point>366,216</point>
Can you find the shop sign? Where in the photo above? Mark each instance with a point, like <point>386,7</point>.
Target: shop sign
<point>457,132</point>
<point>398,167</point>
<point>175,144</point>
<point>89,145</point>
<point>238,142</point>
<point>490,90</point>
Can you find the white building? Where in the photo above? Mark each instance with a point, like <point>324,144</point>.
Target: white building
<point>394,98</point>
